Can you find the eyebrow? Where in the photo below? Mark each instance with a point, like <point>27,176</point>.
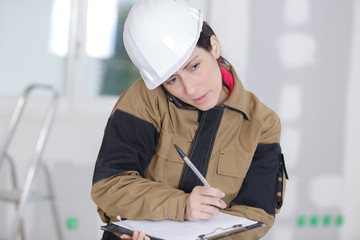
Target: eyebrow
<point>194,58</point>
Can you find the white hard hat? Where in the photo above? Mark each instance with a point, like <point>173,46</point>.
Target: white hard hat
<point>159,36</point>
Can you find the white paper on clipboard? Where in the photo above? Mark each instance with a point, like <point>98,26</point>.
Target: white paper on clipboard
<point>221,224</point>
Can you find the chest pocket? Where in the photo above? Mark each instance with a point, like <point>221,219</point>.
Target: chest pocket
<point>166,166</point>
<point>230,172</point>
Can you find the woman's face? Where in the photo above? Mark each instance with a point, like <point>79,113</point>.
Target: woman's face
<point>198,81</point>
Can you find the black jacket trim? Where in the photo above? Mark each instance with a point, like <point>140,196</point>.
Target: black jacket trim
<point>126,138</point>
<point>201,147</point>
<point>260,184</point>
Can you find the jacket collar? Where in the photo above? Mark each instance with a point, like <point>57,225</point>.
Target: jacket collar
<point>239,99</point>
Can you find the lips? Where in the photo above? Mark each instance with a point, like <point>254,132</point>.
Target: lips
<point>201,99</point>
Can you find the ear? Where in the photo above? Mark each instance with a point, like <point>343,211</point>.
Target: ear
<point>215,47</point>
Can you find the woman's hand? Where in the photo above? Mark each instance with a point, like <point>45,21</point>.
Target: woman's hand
<point>203,203</point>
<point>137,235</point>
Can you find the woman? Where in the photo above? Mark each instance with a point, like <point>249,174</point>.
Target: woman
<point>189,95</point>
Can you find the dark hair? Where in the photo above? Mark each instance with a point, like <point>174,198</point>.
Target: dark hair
<point>204,41</point>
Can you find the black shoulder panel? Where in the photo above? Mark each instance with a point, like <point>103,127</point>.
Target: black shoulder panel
<point>259,186</point>
<point>128,145</point>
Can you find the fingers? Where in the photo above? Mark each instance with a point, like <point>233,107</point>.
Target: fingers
<point>209,191</point>
<point>137,235</point>
<point>210,210</point>
<point>195,211</point>
<point>210,196</point>
<point>203,203</point>
<point>125,236</point>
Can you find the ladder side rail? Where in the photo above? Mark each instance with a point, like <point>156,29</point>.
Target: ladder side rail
<point>13,123</point>
<point>50,114</point>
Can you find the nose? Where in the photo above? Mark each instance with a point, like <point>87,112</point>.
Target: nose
<point>189,86</point>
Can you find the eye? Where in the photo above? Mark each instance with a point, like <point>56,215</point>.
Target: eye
<point>195,66</point>
<point>171,81</point>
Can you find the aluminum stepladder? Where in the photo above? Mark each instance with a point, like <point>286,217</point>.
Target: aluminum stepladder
<point>21,195</point>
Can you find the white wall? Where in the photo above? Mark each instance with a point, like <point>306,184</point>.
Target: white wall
<point>352,136</point>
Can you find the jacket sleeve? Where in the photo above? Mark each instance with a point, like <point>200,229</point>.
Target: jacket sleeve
<point>257,198</point>
<point>262,191</point>
<point>131,196</point>
<point>119,188</point>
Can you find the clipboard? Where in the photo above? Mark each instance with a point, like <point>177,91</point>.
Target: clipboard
<point>122,230</point>
<point>220,226</point>
<point>229,231</point>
